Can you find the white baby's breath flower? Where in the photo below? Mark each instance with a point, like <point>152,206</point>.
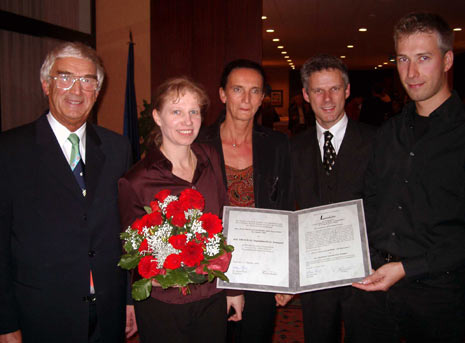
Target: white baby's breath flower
<point>212,247</point>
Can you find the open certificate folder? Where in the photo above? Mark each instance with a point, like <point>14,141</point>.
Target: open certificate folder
<point>295,252</point>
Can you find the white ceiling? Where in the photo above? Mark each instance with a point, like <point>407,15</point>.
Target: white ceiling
<point>308,27</point>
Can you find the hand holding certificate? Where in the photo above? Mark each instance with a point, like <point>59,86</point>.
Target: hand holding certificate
<point>296,252</point>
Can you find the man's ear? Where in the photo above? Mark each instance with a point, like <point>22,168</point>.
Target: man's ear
<point>46,87</point>
<point>448,60</point>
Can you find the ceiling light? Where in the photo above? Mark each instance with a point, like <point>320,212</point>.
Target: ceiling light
<point>289,60</point>
<point>280,46</point>
<point>350,46</point>
<point>275,39</point>
<point>380,65</point>
<point>286,56</point>
<point>342,56</point>
<point>392,60</point>
<point>363,29</point>
<point>458,29</point>
<point>270,30</point>
<point>376,67</point>
<point>385,63</point>
<point>284,52</point>
<point>264,17</point>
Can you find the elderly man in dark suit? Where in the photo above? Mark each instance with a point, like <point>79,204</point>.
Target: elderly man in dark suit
<point>329,163</point>
<point>59,222</point>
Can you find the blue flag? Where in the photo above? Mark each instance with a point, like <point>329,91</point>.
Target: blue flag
<point>131,128</point>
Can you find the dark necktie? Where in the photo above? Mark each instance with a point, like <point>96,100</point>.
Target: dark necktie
<point>75,162</point>
<point>329,154</point>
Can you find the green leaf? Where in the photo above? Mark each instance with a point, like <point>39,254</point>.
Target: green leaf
<point>176,277</point>
<point>197,278</point>
<point>220,275</point>
<point>148,209</point>
<point>141,289</point>
<point>129,261</point>
<point>229,248</point>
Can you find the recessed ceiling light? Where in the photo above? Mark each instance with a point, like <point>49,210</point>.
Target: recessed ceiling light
<point>392,60</point>
<point>350,46</point>
<point>280,46</point>
<point>270,30</point>
<point>376,67</point>
<point>380,65</point>
<point>284,52</point>
<point>458,29</point>
<point>342,56</point>
<point>286,56</point>
<point>385,63</point>
<point>363,29</point>
<point>275,39</point>
<point>264,17</point>
<point>289,60</point>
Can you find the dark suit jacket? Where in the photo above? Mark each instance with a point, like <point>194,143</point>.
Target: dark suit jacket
<point>351,164</point>
<point>271,165</point>
<point>51,236</point>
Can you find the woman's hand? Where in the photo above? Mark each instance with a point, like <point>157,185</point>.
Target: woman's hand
<point>237,303</point>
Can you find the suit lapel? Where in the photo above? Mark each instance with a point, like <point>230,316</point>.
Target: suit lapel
<point>95,159</point>
<point>51,157</point>
<point>348,158</point>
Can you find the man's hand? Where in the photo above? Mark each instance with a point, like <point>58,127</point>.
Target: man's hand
<point>237,303</point>
<point>131,324</point>
<point>12,337</point>
<point>383,278</point>
<point>282,299</point>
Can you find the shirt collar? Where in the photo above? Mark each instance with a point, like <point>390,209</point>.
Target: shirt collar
<point>62,133</point>
<point>337,130</point>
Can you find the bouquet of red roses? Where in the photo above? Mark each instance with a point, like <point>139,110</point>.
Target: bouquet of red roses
<point>175,244</point>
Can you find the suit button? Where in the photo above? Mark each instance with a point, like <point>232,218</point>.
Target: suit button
<point>91,253</point>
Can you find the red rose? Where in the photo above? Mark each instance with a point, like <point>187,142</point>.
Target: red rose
<point>143,246</point>
<point>161,196</point>
<point>172,261</point>
<point>175,211</point>
<point>148,267</point>
<point>153,219</point>
<point>179,219</point>
<point>178,241</point>
<point>192,199</point>
<point>138,225</point>
<point>154,206</point>
<point>211,223</point>
<point>192,254</point>
<point>221,263</point>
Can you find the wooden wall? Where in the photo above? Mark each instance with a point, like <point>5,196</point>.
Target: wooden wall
<point>197,38</point>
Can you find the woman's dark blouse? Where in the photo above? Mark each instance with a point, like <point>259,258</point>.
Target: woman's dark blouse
<point>153,174</point>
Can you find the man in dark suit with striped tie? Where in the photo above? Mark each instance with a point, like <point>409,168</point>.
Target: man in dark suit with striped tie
<point>59,222</point>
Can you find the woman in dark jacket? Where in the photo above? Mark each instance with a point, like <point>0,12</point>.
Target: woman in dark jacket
<point>256,166</point>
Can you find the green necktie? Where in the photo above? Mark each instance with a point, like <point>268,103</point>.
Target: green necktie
<point>75,155</point>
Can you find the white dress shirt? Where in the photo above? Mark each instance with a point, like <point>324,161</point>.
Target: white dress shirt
<point>338,131</point>
<point>62,134</point>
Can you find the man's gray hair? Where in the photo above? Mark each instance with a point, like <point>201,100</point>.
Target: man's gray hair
<point>323,62</point>
<point>72,49</point>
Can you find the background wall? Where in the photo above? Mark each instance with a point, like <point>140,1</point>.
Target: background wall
<point>114,20</point>
<point>278,79</point>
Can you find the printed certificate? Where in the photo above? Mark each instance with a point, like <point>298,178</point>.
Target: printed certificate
<point>295,252</point>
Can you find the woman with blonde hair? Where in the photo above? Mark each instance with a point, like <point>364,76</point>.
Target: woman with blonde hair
<point>176,163</point>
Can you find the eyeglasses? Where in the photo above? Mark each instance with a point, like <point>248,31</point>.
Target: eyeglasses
<point>66,81</point>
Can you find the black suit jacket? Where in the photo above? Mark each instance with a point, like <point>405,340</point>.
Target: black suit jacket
<point>351,163</point>
<point>51,236</point>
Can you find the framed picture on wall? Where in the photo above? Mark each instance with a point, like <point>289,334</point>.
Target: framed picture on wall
<point>277,98</point>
